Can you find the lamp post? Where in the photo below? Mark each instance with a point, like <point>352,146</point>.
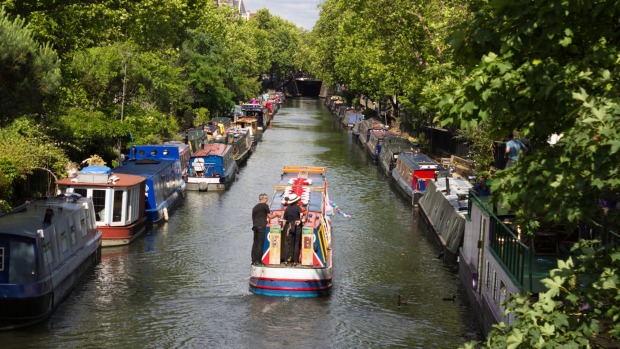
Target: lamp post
<point>120,147</point>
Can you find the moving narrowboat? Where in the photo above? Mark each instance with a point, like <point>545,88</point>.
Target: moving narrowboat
<point>311,275</point>
<point>46,248</point>
<point>212,168</point>
<point>412,173</point>
<point>163,166</point>
<point>117,199</point>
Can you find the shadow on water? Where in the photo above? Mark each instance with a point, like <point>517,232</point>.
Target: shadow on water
<point>185,283</point>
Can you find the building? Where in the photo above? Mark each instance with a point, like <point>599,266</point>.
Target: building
<point>236,4</point>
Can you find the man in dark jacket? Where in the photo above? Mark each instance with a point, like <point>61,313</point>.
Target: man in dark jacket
<point>260,213</point>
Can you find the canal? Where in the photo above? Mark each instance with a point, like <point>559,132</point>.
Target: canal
<point>185,283</point>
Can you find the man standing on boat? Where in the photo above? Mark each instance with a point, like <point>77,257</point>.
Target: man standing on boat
<point>292,228</point>
<point>260,213</point>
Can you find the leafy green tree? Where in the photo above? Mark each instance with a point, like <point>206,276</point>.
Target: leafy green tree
<point>29,71</point>
<point>27,148</point>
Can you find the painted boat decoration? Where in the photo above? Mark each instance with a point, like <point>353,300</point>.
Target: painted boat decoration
<point>46,247</point>
<point>312,276</point>
<point>412,173</point>
<point>163,166</point>
<point>212,168</point>
<point>117,200</point>
<point>239,139</point>
<point>390,149</point>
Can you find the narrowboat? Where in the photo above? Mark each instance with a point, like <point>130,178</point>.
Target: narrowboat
<point>392,146</point>
<point>311,275</point>
<point>375,143</point>
<point>258,112</point>
<point>443,208</point>
<point>196,138</point>
<point>412,173</point>
<point>350,117</point>
<point>163,166</point>
<point>366,128</point>
<point>496,260</point>
<point>117,199</point>
<point>239,139</point>
<point>46,248</point>
<point>212,168</point>
<point>252,126</point>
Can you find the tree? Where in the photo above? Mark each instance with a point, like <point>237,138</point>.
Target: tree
<point>29,71</point>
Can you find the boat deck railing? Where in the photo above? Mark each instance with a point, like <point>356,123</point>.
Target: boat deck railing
<point>514,256</point>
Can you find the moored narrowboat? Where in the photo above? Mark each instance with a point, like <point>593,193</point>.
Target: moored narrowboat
<point>375,143</point>
<point>46,248</point>
<point>212,168</point>
<point>117,200</point>
<point>163,166</point>
<point>239,139</point>
<point>412,173</point>
<point>311,274</point>
<point>366,127</point>
<point>392,146</point>
<point>349,117</point>
<point>252,125</point>
<point>258,112</point>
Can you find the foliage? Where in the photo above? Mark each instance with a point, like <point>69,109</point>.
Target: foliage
<point>481,147</point>
<point>29,71</point>
<point>26,148</point>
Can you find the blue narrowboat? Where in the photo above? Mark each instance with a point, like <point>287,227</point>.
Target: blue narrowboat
<point>412,173</point>
<point>46,247</point>
<point>163,166</point>
<point>212,168</point>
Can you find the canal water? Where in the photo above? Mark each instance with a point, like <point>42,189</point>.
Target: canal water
<point>185,283</point>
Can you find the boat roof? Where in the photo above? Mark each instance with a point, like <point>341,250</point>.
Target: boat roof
<point>217,149</point>
<point>26,220</point>
<point>167,151</point>
<point>419,161</point>
<point>115,180</point>
<point>256,107</point>
<point>246,120</point>
<point>145,167</point>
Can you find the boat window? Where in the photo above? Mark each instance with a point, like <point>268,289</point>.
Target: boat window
<point>165,152</point>
<point>129,205</point>
<point>81,191</point>
<point>21,262</point>
<point>63,241</point>
<point>488,275</point>
<point>117,206</point>
<point>73,239</point>
<point>141,152</point>
<point>153,152</point>
<point>83,226</point>
<point>99,204</point>
<point>1,258</point>
<point>494,291</point>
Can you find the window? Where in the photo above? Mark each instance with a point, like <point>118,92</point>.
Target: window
<point>83,226</point>
<point>117,206</point>
<point>129,206</point>
<point>22,262</point>
<point>494,291</point>
<point>99,204</point>
<point>1,258</point>
<point>81,191</point>
<point>63,241</point>
<point>487,272</point>
<point>47,252</point>
<point>153,152</point>
<point>73,239</point>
